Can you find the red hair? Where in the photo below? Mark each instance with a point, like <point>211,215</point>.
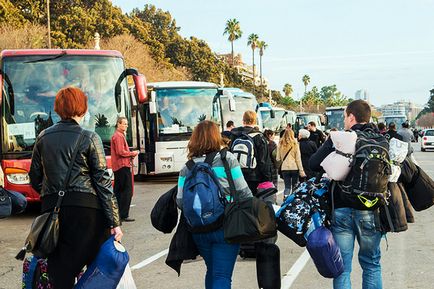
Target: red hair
<point>206,138</point>
<point>70,102</point>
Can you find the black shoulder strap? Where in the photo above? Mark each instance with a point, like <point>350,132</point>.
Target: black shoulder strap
<point>228,173</point>
<point>190,164</point>
<point>68,174</point>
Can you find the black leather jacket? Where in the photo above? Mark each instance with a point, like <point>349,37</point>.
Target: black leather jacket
<point>89,183</point>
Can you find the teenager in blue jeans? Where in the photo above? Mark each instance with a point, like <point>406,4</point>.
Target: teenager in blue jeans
<point>353,220</point>
<point>219,255</point>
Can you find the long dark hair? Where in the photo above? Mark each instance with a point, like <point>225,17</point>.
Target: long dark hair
<point>206,138</point>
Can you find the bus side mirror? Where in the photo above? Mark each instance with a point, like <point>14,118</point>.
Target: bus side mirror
<point>153,103</point>
<point>141,90</point>
<point>272,113</point>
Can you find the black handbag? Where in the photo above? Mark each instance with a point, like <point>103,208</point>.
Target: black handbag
<point>5,204</point>
<point>44,232</point>
<point>164,215</point>
<point>246,220</point>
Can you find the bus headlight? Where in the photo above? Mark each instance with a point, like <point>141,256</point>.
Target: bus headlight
<point>17,176</point>
<point>18,179</point>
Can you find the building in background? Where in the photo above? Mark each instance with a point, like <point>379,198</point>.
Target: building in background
<point>246,71</point>
<point>407,108</point>
<point>362,94</point>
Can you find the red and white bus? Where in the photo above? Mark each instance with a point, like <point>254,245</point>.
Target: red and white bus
<point>29,81</point>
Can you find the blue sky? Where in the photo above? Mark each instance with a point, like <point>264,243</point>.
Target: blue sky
<point>383,46</point>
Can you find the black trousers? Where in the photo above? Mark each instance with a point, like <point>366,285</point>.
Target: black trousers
<point>82,232</point>
<point>123,189</point>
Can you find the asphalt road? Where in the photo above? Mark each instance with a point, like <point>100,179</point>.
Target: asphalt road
<point>408,262</point>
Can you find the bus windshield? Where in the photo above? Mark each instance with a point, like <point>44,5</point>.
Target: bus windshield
<point>243,104</point>
<point>34,84</point>
<point>181,109</point>
<point>398,120</point>
<point>275,124</point>
<point>335,119</point>
<point>306,118</point>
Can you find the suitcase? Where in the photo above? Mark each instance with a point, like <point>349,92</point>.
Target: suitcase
<point>268,266</point>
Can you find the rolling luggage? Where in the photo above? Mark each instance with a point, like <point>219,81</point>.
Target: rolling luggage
<point>268,266</point>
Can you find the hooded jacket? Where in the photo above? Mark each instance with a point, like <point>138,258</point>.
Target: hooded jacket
<point>262,172</point>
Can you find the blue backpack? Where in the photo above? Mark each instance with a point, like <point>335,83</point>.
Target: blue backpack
<point>203,203</point>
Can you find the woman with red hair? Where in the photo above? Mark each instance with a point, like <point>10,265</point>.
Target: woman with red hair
<point>88,212</point>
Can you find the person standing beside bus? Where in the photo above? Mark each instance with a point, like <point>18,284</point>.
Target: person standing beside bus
<point>121,164</point>
<point>89,211</point>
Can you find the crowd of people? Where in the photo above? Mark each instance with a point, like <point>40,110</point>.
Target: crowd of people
<point>91,210</point>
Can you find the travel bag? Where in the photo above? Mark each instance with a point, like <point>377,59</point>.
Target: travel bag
<point>324,251</point>
<point>268,266</point>
<point>294,217</point>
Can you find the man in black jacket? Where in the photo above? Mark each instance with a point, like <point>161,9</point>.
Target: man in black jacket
<point>392,133</point>
<point>262,171</point>
<point>352,220</point>
<point>316,135</point>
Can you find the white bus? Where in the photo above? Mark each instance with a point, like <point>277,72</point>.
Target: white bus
<point>398,119</point>
<point>167,120</point>
<point>234,102</point>
<point>335,117</point>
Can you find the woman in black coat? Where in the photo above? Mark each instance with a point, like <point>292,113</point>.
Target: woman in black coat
<point>307,149</point>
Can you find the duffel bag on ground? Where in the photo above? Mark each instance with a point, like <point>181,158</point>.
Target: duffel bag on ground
<point>294,218</point>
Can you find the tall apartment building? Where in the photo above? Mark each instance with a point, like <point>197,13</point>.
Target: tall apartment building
<point>362,94</point>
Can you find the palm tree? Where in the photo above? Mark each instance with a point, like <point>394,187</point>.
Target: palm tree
<point>306,81</point>
<point>262,46</point>
<point>234,32</point>
<point>253,42</point>
<point>287,89</point>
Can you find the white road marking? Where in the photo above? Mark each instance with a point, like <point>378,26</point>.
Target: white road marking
<point>150,260</point>
<point>292,274</point>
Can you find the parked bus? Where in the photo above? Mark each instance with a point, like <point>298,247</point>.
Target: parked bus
<point>167,121</point>
<point>29,81</point>
<point>274,118</point>
<point>234,102</point>
<point>335,117</point>
<point>398,119</point>
<point>305,117</point>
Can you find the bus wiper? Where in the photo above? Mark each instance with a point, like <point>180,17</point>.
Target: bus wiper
<point>63,53</point>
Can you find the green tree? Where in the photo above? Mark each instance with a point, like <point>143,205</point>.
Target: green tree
<point>287,89</point>
<point>306,81</point>
<point>233,30</point>
<point>253,42</point>
<point>262,46</point>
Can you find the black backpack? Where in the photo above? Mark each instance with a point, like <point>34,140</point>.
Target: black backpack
<point>370,170</point>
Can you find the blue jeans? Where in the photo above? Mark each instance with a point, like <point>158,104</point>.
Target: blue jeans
<point>219,258</point>
<point>351,224</point>
<point>290,179</point>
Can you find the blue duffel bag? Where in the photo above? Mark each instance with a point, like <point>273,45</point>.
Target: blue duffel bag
<point>324,251</point>
<point>107,269</point>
